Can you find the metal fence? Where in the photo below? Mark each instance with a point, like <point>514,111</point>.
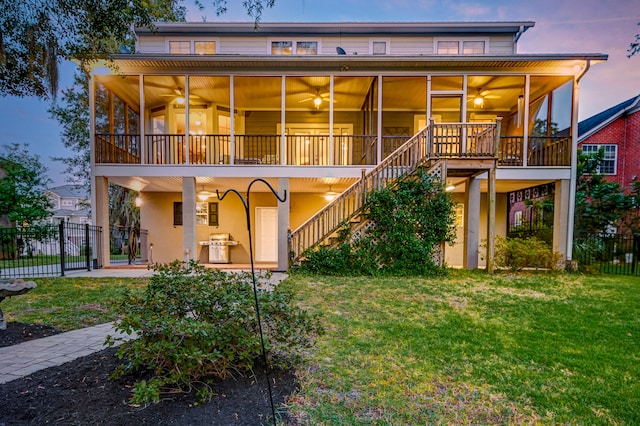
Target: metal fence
<point>608,253</point>
<point>49,250</point>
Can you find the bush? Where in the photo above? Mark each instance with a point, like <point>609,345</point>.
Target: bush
<point>195,325</point>
<point>519,253</point>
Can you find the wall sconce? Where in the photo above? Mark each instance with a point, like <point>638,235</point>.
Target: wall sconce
<point>138,201</point>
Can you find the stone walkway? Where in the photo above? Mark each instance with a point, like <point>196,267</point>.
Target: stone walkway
<point>21,360</point>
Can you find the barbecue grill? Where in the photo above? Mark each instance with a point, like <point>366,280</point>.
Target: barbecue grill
<point>219,247</point>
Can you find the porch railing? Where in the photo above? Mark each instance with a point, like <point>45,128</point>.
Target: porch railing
<point>542,151</point>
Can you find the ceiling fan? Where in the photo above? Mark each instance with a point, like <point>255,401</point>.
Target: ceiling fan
<point>480,96</point>
<point>317,98</point>
<point>179,96</point>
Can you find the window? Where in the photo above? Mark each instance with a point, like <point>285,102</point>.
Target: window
<point>179,47</point>
<point>379,48</point>
<point>206,213</point>
<point>307,48</point>
<point>281,48</point>
<point>608,165</point>
<point>204,47</point>
<point>177,213</point>
<point>453,47</point>
<point>459,214</point>
<point>472,47</point>
<point>517,218</point>
<point>448,48</point>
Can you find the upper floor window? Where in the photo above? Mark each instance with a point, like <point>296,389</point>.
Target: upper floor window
<point>285,47</point>
<point>608,164</point>
<point>472,47</point>
<point>456,47</point>
<point>307,48</point>
<point>180,47</point>
<point>379,48</point>
<point>204,47</point>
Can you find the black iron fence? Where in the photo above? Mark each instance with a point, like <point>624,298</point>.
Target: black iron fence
<point>608,253</point>
<point>49,250</point>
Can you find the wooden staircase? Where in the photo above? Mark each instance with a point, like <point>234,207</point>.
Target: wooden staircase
<point>433,147</point>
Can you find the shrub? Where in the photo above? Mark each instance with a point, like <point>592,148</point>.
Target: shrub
<point>411,219</point>
<point>195,325</point>
<point>519,253</point>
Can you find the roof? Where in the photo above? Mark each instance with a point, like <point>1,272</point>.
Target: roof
<point>596,122</point>
<point>336,28</point>
<point>70,191</point>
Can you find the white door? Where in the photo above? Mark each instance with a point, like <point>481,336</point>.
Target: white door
<point>266,234</point>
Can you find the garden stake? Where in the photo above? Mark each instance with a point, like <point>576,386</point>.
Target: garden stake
<point>247,209</point>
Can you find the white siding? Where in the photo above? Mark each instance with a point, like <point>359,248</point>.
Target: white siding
<point>501,45</point>
<point>411,46</point>
<point>243,46</point>
<point>151,44</point>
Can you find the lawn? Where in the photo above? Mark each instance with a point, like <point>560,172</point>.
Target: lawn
<point>70,303</point>
<point>462,349</point>
<point>472,349</point>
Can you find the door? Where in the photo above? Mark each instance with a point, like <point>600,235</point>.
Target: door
<point>266,234</point>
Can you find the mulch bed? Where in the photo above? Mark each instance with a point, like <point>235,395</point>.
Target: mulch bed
<point>80,393</point>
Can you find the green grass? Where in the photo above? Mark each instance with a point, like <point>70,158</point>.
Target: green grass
<point>462,349</point>
<point>472,349</point>
<point>69,303</point>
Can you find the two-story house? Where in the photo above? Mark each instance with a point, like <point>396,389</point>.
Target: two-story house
<point>70,204</point>
<point>616,131</point>
<point>325,112</point>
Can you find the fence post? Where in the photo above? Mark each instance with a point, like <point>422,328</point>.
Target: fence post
<point>87,246</point>
<point>62,248</point>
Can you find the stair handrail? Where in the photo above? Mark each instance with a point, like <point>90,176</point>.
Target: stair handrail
<point>404,160</point>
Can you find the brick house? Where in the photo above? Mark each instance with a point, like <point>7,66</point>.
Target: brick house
<point>617,130</point>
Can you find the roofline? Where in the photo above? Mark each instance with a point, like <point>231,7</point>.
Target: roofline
<point>634,105</point>
<point>130,63</point>
<point>337,28</point>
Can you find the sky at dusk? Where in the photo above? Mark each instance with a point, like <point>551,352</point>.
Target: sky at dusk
<point>576,26</point>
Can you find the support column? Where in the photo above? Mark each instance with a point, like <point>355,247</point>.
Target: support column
<point>471,224</point>
<point>189,219</point>
<point>283,224</point>
<point>561,217</point>
<point>491,218</point>
<point>101,218</point>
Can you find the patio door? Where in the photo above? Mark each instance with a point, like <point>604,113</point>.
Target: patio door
<point>266,234</point>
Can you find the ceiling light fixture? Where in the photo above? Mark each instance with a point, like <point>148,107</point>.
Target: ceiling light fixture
<point>450,187</point>
<point>204,195</point>
<point>330,195</point>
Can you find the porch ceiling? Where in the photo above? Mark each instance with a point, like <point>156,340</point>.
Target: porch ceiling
<point>174,184</point>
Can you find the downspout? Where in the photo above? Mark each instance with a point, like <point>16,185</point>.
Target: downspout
<point>574,163</point>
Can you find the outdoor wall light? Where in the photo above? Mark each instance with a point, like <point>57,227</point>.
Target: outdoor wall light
<point>138,201</point>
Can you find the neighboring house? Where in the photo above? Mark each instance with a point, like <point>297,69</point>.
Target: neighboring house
<point>617,131</point>
<point>314,107</point>
<point>70,204</point>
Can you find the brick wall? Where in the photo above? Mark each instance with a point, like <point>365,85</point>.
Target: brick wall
<point>624,132</point>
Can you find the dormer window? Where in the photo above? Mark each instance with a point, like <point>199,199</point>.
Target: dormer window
<point>472,47</point>
<point>204,47</point>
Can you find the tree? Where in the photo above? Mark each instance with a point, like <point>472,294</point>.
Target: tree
<point>600,204</point>
<point>23,184</point>
<point>35,35</point>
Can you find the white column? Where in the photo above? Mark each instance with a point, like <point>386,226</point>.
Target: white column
<point>189,219</point>
<point>471,224</point>
<point>562,217</point>
<point>283,224</point>
<point>101,216</point>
